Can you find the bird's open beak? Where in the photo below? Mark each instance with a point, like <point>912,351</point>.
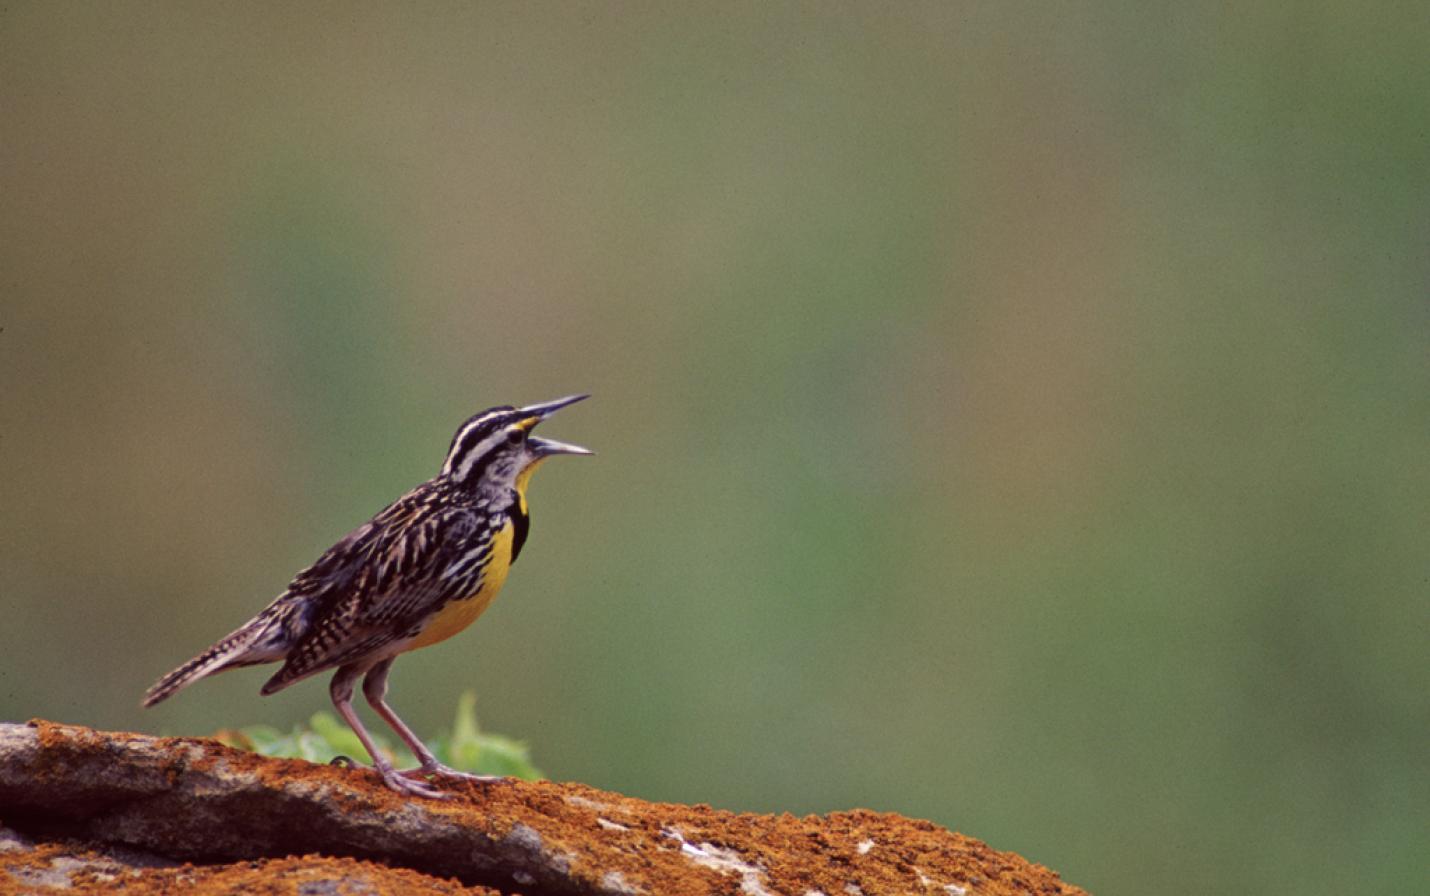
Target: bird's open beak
<point>547,447</point>
<point>547,408</point>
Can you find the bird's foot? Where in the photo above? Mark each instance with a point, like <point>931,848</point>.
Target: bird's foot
<point>403,783</point>
<point>438,770</point>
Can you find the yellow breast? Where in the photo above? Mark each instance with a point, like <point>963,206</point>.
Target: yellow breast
<point>459,614</point>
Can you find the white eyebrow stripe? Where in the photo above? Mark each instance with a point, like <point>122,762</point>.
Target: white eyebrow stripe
<point>483,448</point>
<point>460,438</point>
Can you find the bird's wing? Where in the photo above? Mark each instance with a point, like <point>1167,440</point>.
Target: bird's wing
<point>333,572</point>
<point>393,580</point>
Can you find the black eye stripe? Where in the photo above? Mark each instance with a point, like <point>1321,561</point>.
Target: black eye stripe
<point>480,439</point>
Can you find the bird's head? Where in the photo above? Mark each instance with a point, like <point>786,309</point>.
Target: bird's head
<point>495,451</point>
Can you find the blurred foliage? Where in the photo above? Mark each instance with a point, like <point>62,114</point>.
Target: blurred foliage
<point>1013,415</point>
<point>465,748</point>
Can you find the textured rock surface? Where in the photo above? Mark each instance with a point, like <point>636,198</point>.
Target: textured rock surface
<point>97,810</point>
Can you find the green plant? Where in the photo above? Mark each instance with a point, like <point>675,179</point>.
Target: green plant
<point>466,747</point>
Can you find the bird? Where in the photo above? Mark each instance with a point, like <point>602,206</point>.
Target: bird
<point>421,570</point>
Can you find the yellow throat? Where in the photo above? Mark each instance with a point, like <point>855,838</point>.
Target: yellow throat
<point>459,614</point>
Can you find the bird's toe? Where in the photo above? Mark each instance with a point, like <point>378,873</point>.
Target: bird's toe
<point>443,771</point>
<point>401,783</point>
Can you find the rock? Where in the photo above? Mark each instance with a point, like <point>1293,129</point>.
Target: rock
<point>87,809</point>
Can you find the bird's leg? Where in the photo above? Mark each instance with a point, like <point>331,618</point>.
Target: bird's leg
<point>374,687</point>
<point>341,690</point>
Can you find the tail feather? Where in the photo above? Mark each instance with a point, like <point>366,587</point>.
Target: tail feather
<point>243,647</point>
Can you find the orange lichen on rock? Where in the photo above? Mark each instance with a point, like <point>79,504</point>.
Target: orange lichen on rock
<point>41,868</point>
<point>248,819</point>
<point>669,848</point>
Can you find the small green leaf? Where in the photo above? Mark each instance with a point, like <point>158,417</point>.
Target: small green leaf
<point>465,748</point>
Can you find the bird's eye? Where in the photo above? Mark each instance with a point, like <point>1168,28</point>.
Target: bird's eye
<point>514,436</point>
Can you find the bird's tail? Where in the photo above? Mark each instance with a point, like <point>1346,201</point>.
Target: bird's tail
<point>249,645</point>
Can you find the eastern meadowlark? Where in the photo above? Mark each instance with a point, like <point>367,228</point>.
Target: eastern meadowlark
<point>420,571</point>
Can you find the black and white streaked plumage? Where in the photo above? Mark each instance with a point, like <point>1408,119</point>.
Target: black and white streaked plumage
<point>417,573</point>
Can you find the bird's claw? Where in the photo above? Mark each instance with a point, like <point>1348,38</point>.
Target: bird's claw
<point>402,783</point>
<point>437,769</point>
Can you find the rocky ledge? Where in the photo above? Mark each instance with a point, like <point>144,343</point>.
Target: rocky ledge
<point>84,810</point>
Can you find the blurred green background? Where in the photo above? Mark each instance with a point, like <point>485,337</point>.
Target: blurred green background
<point>1012,417</point>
